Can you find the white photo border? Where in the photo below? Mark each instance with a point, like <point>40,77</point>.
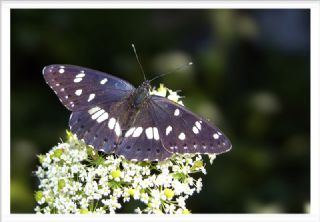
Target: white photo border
<point>313,5</point>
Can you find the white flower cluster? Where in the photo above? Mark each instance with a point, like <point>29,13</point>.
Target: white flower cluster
<point>75,178</point>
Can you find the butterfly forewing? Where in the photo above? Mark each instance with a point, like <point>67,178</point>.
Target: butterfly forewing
<point>80,88</point>
<point>181,131</point>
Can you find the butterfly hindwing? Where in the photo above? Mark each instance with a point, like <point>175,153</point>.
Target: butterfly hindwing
<point>141,141</point>
<point>100,126</point>
<point>181,131</point>
<point>80,88</point>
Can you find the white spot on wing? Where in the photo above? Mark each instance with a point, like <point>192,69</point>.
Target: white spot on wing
<point>78,92</point>
<point>61,70</point>
<point>93,110</point>
<point>103,117</point>
<point>80,75</point>
<point>177,112</point>
<point>77,80</point>
<point>102,82</point>
<point>91,97</point>
<point>195,130</point>
<point>155,133</point>
<point>137,132</point>
<point>112,123</point>
<point>149,133</point>
<point>129,132</point>
<point>220,134</point>
<point>215,136</point>
<point>97,114</point>
<point>182,136</point>
<point>117,129</point>
<point>168,130</point>
<point>198,124</point>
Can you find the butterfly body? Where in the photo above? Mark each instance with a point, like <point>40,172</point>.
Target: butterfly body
<point>141,94</point>
<point>115,117</point>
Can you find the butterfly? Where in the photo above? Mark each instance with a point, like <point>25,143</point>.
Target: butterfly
<point>113,116</point>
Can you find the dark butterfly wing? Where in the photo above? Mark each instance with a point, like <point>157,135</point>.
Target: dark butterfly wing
<point>141,141</point>
<point>102,117</point>
<point>80,88</point>
<point>94,98</point>
<point>105,128</point>
<point>181,131</point>
<point>100,126</point>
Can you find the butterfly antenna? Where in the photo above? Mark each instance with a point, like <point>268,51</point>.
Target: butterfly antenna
<point>135,52</point>
<point>172,71</point>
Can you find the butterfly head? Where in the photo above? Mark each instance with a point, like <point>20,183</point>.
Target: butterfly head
<point>146,85</point>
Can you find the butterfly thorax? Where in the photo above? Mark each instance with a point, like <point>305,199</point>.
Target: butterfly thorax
<point>141,94</point>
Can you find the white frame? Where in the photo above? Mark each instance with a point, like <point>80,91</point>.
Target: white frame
<point>314,6</point>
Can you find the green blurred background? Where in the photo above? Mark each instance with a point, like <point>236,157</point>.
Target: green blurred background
<point>251,77</point>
